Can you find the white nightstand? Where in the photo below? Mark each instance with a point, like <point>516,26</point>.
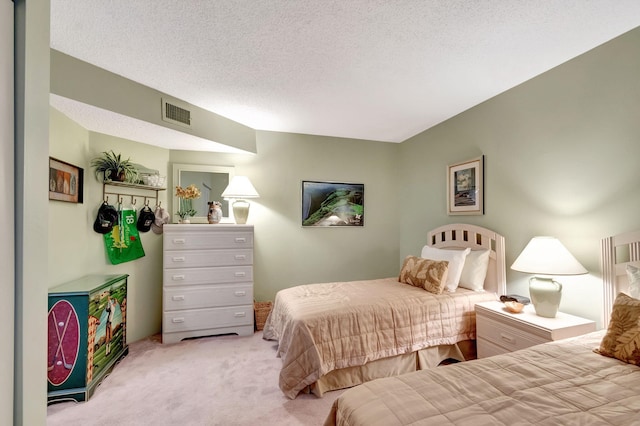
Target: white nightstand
<point>499,331</point>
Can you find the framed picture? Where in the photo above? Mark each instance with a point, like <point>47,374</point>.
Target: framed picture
<point>465,187</point>
<point>65,181</point>
<point>326,204</point>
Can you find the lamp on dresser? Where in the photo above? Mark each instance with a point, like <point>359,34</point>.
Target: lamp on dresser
<point>548,257</point>
<point>238,190</point>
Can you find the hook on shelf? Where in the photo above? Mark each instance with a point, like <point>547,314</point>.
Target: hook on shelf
<point>124,192</point>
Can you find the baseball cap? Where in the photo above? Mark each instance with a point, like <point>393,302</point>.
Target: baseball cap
<point>145,220</point>
<point>107,216</point>
<point>161,217</point>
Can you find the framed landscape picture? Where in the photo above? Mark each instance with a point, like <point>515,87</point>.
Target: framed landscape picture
<point>328,204</point>
<point>65,181</point>
<point>465,187</point>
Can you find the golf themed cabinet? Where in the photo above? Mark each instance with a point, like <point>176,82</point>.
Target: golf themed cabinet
<point>87,325</point>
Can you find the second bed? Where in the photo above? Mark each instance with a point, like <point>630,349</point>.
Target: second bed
<point>337,335</point>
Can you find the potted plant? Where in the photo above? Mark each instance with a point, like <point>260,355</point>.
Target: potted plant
<point>111,166</point>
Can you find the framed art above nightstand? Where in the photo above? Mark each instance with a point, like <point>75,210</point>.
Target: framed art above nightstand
<point>499,331</point>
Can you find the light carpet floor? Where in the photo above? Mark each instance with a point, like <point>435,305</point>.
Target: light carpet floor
<point>220,380</point>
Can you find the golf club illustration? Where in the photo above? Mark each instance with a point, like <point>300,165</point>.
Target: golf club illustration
<point>60,339</point>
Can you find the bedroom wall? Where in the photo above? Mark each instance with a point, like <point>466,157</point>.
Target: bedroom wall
<point>553,166</point>
<point>68,222</point>
<point>285,253</point>
<point>76,250</point>
<point>561,156</point>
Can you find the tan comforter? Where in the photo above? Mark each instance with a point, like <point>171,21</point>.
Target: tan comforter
<point>559,383</point>
<point>324,327</point>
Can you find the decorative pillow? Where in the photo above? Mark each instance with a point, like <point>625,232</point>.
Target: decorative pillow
<point>456,262</point>
<point>633,273</point>
<point>474,270</point>
<point>425,273</point>
<point>622,340</point>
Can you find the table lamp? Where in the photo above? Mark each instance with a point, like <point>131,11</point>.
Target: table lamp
<point>546,256</point>
<point>238,190</point>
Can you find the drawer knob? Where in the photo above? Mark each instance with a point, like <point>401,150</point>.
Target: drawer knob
<point>178,298</point>
<point>506,338</point>
<point>240,257</point>
<point>177,320</point>
<point>177,277</point>
<point>240,314</point>
<point>240,274</point>
<point>241,240</point>
<point>178,258</point>
<point>179,241</point>
<point>240,293</point>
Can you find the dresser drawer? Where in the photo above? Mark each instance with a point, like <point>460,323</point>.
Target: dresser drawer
<point>220,275</point>
<point>201,258</point>
<point>187,297</point>
<point>196,240</point>
<point>505,336</point>
<point>486,349</point>
<point>200,319</point>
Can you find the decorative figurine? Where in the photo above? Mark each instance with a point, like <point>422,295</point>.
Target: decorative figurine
<point>214,214</point>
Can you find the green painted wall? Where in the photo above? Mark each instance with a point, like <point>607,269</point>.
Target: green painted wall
<point>285,253</point>
<point>561,158</point>
<point>76,250</point>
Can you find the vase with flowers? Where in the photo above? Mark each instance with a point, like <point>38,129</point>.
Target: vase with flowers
<point>185,202</point>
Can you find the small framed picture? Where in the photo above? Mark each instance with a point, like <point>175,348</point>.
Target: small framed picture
<point>332,204</point>
<point>66,181</point>
<point>465,187</point>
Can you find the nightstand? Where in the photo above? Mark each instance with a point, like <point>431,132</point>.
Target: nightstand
<point>499,331</point>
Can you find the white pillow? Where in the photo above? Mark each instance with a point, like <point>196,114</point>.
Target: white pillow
<point>633,273</point>
<point>455,259</point>
<point>475,270</point>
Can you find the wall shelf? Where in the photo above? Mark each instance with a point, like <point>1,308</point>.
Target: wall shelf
<point>133,191</point>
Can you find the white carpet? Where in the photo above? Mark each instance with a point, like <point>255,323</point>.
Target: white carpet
<point>221,380</point>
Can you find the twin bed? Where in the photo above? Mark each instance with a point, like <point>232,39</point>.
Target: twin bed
<point>589,380</point>
<point>338,335</point>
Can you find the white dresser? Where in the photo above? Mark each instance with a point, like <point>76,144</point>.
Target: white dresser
<point>207,280</point>
<point>499,331</point>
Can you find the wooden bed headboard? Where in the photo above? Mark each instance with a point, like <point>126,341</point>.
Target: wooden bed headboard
<point>616,253</point>
<point>460,235</point>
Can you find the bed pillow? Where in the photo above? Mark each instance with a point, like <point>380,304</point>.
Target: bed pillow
<point>425,273</point>
<point>455,259</point>
<point>622,340</point>
<point>474,270</point>
<point>633,273</point>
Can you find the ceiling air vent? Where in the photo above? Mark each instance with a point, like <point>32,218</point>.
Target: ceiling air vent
<point>172,113</point>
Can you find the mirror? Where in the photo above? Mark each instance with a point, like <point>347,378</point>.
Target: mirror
<point>210,180</point>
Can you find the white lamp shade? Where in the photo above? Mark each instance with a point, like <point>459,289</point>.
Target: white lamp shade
<point>547,256</point>
<point>240,187</point>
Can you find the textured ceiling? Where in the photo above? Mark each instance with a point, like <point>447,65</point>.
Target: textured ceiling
<point>365,69</point>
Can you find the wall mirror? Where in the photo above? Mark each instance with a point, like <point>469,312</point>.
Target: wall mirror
<point>210,180</point>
